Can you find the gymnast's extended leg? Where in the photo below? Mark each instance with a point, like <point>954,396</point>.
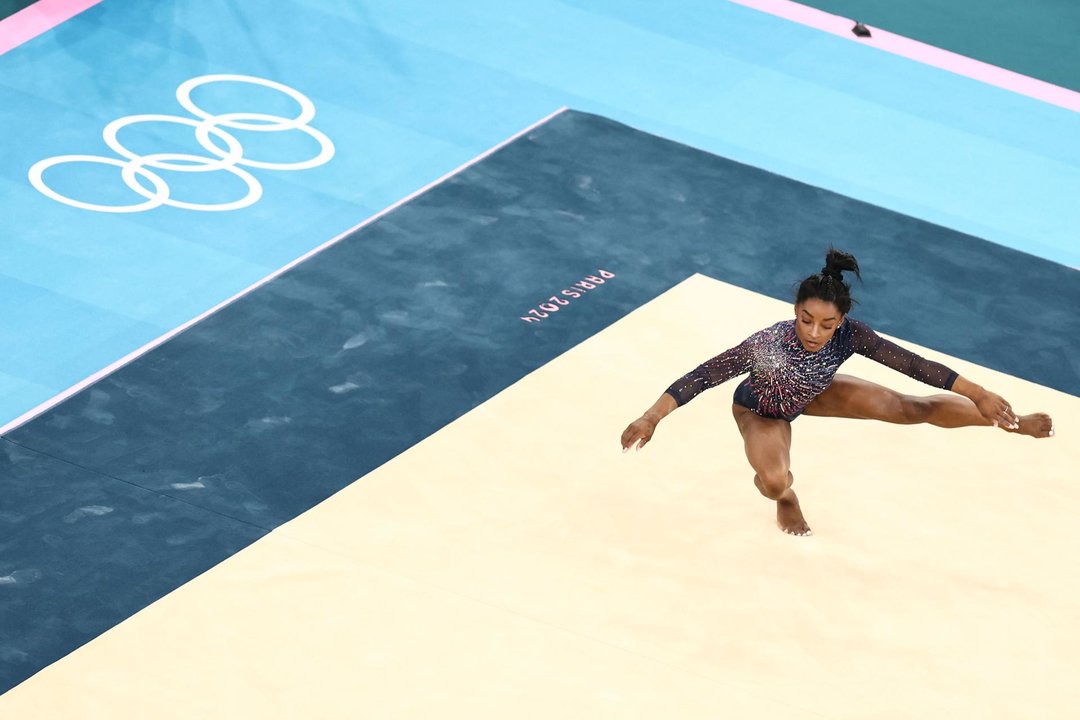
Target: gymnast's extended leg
<point>852,397</point>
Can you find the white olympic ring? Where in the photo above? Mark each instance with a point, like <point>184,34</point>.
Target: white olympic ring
<point>307,108</point>
<point>211,137</point>
<point>232,157</point>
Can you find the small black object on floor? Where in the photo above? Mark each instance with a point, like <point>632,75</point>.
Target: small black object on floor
<point>860,29</point>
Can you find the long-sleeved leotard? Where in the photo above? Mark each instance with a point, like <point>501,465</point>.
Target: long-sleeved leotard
<point>785,376</point>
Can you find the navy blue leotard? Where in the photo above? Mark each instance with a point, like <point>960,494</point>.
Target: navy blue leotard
<point>785,376</point>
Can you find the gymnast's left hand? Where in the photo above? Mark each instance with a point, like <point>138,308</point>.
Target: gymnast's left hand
<point>997,410</point>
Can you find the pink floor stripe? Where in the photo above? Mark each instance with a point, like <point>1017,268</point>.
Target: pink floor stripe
<point>135,354</point>
<point>40,17</point>
<point>914,50</point>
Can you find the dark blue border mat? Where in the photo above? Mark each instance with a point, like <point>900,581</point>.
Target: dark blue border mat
<point>291,393</point>
<point>80,553</point>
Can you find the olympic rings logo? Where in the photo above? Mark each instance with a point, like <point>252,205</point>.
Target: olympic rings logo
<point>226,152</point>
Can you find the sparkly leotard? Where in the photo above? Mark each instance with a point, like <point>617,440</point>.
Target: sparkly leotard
<point>785,376</point>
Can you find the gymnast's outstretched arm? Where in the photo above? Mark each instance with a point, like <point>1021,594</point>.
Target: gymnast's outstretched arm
<point>708,374</point>
<point>992,406</point>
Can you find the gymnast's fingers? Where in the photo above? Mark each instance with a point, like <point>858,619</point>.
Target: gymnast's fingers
<point>633,434</point>
<point>1007,416</point>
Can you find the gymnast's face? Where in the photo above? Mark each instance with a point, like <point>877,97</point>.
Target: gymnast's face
<point>815,322</point>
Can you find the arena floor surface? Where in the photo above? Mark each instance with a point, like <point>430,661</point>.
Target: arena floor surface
<point>323,319</point>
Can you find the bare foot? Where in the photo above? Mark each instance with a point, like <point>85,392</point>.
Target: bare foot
<point>1037,425</point>
<point>789,516</point>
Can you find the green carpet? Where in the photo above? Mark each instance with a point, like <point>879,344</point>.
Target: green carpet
<point>1039,38</point>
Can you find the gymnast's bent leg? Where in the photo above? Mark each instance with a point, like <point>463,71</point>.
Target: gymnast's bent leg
<point>768,448</point>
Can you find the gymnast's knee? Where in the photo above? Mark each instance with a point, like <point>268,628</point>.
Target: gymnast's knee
<point>773,484</point>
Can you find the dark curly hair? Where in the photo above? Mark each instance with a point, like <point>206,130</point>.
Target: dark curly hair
<point>829,285</point>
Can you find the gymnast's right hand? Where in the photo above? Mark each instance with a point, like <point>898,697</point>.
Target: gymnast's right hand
<point>640,431</point>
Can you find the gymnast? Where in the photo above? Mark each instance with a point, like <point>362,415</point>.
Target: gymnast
<point>792,367</point>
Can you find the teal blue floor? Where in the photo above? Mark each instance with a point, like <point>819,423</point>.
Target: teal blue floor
<point>10,7</point>
<point>1037,38</point>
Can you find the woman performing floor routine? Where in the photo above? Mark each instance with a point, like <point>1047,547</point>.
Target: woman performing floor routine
<point>792,367</point>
